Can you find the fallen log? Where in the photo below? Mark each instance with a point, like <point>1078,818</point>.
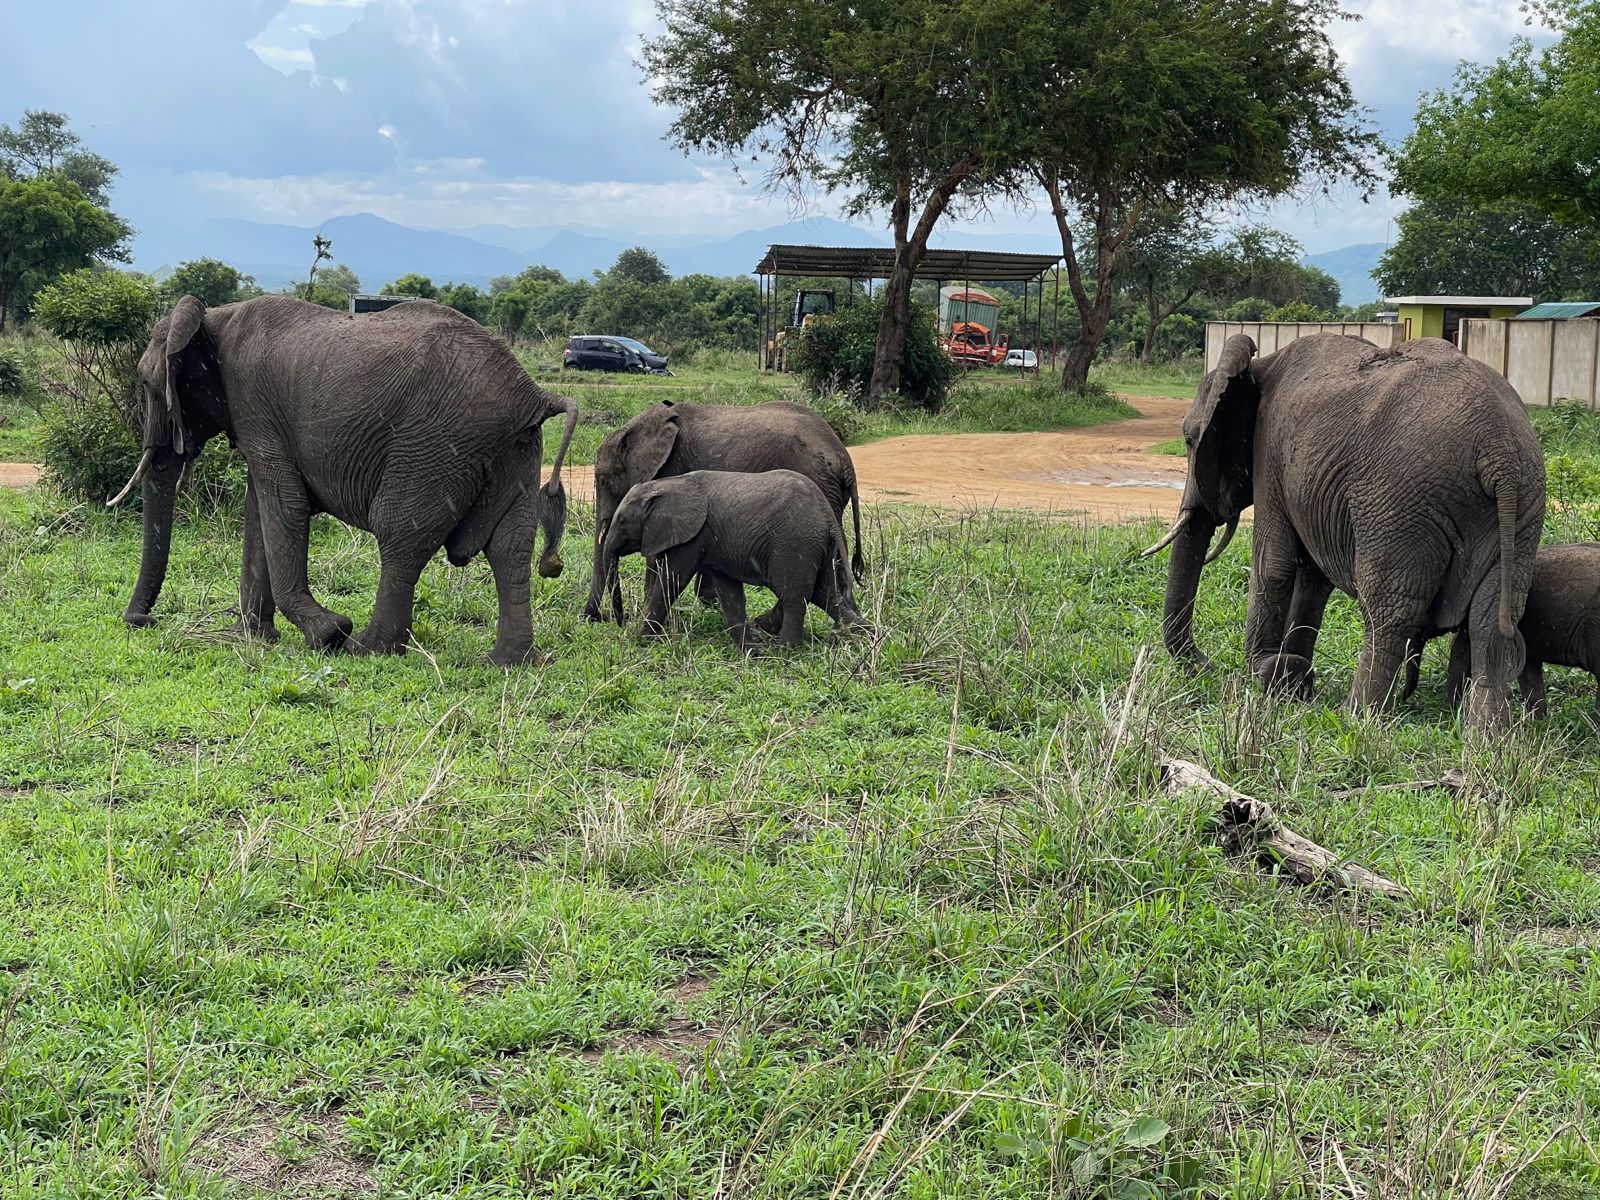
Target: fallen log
<point>1246,825</point>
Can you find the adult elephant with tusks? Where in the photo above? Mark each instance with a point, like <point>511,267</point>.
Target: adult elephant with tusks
<point>1409,478</point>
<point>416,424</point>
<point>670,439</point>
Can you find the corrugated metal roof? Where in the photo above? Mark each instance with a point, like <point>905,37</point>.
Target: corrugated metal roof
<point>1559,311</point>
<point>873,262</point>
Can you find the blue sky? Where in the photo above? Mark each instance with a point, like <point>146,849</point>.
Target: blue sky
<point>452,113</point>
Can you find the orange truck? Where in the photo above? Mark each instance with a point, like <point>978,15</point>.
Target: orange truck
<point>967,317</point>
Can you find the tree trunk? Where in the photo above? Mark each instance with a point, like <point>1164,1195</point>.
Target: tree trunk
<point>1152,323</point>
<point>910,243</point>
<point>1094,311</point>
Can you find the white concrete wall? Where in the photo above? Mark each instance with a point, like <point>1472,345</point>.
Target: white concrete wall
<point>1546,361</point>
<point>1274,335</point>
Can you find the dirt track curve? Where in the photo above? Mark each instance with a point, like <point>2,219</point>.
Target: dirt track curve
<point>1104,473</point>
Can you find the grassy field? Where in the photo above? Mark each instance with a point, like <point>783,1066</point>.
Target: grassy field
<point>902,915</point>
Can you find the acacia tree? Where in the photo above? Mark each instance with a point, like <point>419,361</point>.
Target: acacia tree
<point>1186,104</point>
<point>1522,128</point>
<point>898,105</point>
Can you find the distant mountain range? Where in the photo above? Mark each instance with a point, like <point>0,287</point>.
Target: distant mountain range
<point>1352,266</point>
<point>380,251</point>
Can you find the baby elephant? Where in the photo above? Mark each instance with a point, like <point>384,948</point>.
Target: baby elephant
<point>1561,624</point>
<point>774,529</point>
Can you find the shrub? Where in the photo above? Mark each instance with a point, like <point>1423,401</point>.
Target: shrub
<point>104,317</point>
<point>841,410</point>
<point>13,374</point>
<point>835,354</point>
<point>86,446</point>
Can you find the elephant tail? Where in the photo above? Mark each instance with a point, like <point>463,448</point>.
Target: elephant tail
<point>553,497</point>
<point>858,564</point>
<point>1506,497</point>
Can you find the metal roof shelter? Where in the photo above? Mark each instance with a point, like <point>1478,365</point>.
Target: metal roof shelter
<point>1560,311</point>
<point>877,262</point>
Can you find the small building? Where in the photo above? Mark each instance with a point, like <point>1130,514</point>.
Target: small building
<point>1441,316</point>
<point>1561,310</point>
<point>372,304</point>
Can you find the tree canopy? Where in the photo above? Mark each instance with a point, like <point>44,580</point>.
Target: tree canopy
<point>1523,128</point>
<point>53,208</point>
<point>1186,104</point>
<point>639,266</point>
<point>208,280</point>
<point>1510,248</point>
<point>895,105</point>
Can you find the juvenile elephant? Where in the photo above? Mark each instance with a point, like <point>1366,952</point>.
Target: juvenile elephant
<point>416,424</point>
<point>1408,478</point>
<point>673,439</point>
<point>1561,625</point>
<point>774,529</point>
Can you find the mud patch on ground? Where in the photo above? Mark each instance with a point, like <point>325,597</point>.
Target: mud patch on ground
<point>288,1153</point>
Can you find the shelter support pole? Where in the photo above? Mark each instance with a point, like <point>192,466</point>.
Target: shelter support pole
<point>1055,320</point>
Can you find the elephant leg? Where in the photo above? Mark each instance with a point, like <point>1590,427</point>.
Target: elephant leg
<point>285,524</point>
<point>1274,570</point>
<point>1534,696</point>
<point>510,555</point>
<point>663,586</point>
<point>1306,607</point>
<point>705,590</point>
<point>255,587</point>
<point>770,622</point>
<point>730,595</point>
<point>794,619</point>
<point>1496,659</point>
<point>390,628</point>
<point>835,596</point>
<point>1455,680</point>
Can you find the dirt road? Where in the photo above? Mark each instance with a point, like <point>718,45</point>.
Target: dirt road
<point>1103,472</point>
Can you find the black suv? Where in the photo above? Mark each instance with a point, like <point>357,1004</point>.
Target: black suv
<point>605,353</point>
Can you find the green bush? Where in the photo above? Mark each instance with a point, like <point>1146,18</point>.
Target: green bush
<point>835,355</point>
<point>99,308</point>
<point>13,373</point>
<point>840,410</point>
<point>86,448</point>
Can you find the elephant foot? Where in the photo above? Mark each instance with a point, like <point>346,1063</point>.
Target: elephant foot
<point>654,629</point>
<point>770,623</point>
<point>138,620</point>
<point>260,631</point>
<point>517,656</point>
<point>1288,675</point>
<point>328,631</point>
<point>370,641</point>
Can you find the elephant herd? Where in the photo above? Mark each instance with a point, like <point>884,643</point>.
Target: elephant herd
<point>1409,478</point>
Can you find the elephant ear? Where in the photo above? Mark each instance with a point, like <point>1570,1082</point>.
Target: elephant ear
<point>650,444</point>
<point>183,328</point>
<point>1221,427</point>
<point>673,517</point>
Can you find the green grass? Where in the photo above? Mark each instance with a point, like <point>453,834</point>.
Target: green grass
<point>906,914</point>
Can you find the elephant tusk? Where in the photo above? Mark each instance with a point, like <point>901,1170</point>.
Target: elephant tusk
<point>1171,535</point>
<point>148,457</point>
<point>1227,536</point>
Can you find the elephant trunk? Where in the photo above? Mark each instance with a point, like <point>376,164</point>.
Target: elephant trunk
<point>597,575</point>
<point>607,578</point>
<point>1189,546</point>
<point>159,486</point>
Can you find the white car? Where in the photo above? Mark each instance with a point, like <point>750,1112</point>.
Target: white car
<point>1022,360</point>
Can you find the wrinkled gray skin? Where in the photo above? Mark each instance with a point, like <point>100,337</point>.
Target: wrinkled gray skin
<point>1407,478</point>
<point>1561,625</point>
<point>774,529</point>
<point>673,439</point>
<point>416,424</point>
